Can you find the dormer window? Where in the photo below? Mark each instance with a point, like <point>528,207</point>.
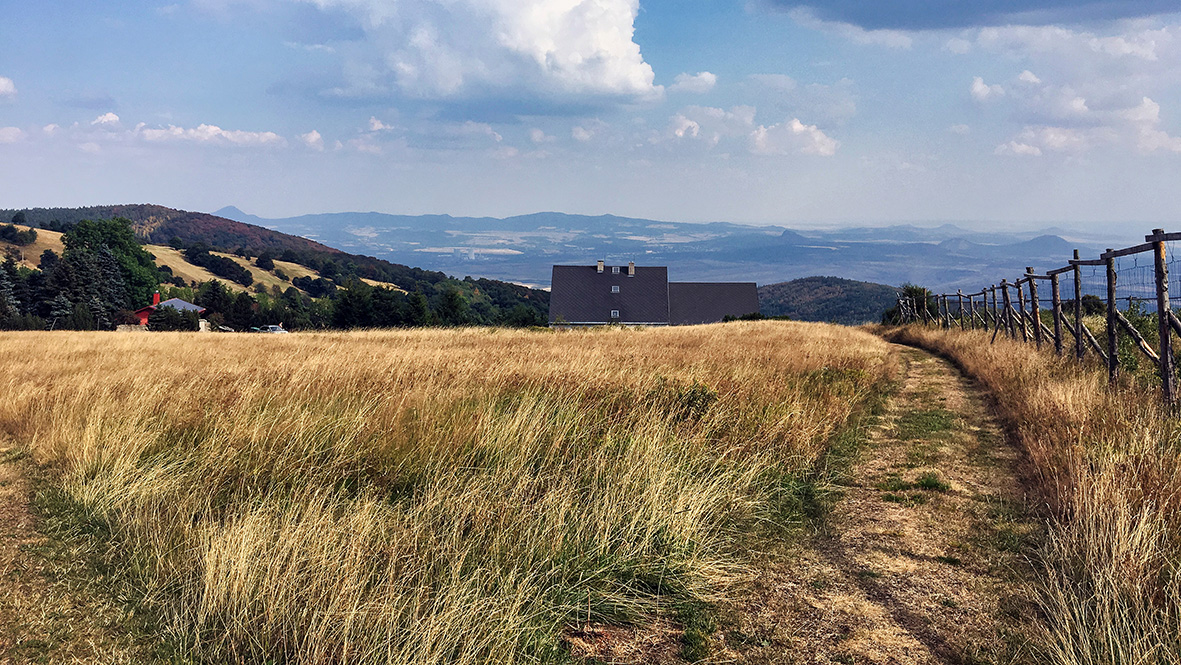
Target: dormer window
<point>614,270</point>
<point>615,314</point>
<point>614,289</point>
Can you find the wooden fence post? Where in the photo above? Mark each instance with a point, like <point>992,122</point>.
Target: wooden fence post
<point>1167,378</point>
<point>1035,307</point>
<point>1007,303</point>
<point>946,313</point>
<point>1112,322</point>
<point>972,311</point>
<point>1079,345</point>
<point>1056,303</point>
<point>1021,316</point>
<point>960,296</point>
<point>996,319</point>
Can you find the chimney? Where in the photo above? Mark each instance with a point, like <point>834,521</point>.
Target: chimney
<point>156,298</point>
<point>600,266</point>
<point>631,268</point>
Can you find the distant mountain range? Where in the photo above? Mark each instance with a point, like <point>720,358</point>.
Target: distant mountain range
<point>523,249</point>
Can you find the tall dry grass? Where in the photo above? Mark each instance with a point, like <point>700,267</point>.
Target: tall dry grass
<point>430,496</point>
<point>1109,463</point>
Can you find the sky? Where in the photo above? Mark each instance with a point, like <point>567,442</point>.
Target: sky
<point>1013,113</point>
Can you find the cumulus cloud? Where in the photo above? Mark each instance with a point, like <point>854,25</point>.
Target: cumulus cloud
<point>699,83</point>
<point>981,91</point>
<point>792,137</point>
<point>439,49</point>
<point>106,120</point>
<point>709,127</point>
<point>539,136</point>
<point>1145,119</point>
<point>807,18</point>
<point>376,125</point>
<point>582,134</point>
<point>10,134</point>
<point>209,135</point>
<point>7,88</point>
<point>313,140</point>
<point>925,15</point>
<point>1029,77</point>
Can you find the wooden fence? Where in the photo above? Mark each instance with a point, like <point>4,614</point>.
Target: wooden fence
<point>997,312</point>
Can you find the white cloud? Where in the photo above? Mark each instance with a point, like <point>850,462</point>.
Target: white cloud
<point>959,129</point>
<point>376,125</point>
<point>1029,77</point>
<point>210,135</point>
<point>698,83</point>
<point>958,45</point>
<point>7,88</point>
<point>1145,119</point>
<point>10,134</point>
<point>581,134</point>
<point>106,120</point>
<point>981,91</point>
<point>1015,148</point>
<point>538,136</point>
<point>888,38</point>
<point>456,48</point>
<point>792,137</point>
<point>51,129</point>
<point>313,140</point>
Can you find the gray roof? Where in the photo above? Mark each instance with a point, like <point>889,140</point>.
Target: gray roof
<point>690,303</point>
<point>182,305</point>
<point>581,294</point>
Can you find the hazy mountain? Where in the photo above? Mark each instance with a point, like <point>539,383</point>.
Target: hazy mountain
<point>525,247</point>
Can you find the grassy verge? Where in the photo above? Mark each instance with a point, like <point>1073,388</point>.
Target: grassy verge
<point>430,496</point>
<point>1109,466</point>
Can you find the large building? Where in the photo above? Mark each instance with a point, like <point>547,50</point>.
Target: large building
<point>642,296</point>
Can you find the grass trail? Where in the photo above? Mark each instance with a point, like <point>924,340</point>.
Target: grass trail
<point>923,559</point>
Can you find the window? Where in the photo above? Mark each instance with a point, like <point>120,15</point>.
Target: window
<point>614,270</point>
<point>614,289</point>
<point>615,314</point>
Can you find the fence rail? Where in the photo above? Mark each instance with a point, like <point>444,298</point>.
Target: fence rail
<point>1023,320</point>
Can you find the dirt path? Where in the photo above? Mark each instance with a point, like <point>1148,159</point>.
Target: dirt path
<point>923,558</point>
<point>49,612</point>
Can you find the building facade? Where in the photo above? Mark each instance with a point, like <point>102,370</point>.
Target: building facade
<point>642,296</point>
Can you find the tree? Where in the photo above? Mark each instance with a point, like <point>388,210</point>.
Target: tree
<point>139,272</point>
<point>172,319</point>
<point>418,311</point>
<point>453,309</point>
<point>265,261</point>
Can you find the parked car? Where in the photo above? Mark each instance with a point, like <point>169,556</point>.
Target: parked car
<point>272,329</point>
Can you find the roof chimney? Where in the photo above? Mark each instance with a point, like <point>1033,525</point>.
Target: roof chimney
<point>156,298</point>
<point>600,266</point>
<point>631,268</point>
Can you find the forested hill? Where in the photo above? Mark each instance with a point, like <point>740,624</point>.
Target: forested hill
<point>180,228</point>
<point>829,299</point>
<point>159,225</point>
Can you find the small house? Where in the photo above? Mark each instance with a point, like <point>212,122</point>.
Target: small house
<point>176,303</point>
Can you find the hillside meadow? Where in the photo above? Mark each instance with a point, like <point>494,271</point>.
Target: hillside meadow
<point>432,496</point>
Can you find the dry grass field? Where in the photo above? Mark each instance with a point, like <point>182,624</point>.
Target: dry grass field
<point>1109,463</point>
<point>433,496</point>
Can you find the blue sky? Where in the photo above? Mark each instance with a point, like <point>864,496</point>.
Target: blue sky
<point>993,112</point>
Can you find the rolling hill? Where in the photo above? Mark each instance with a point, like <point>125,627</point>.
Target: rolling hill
<point>161,228</point>
<point>829,299</point>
